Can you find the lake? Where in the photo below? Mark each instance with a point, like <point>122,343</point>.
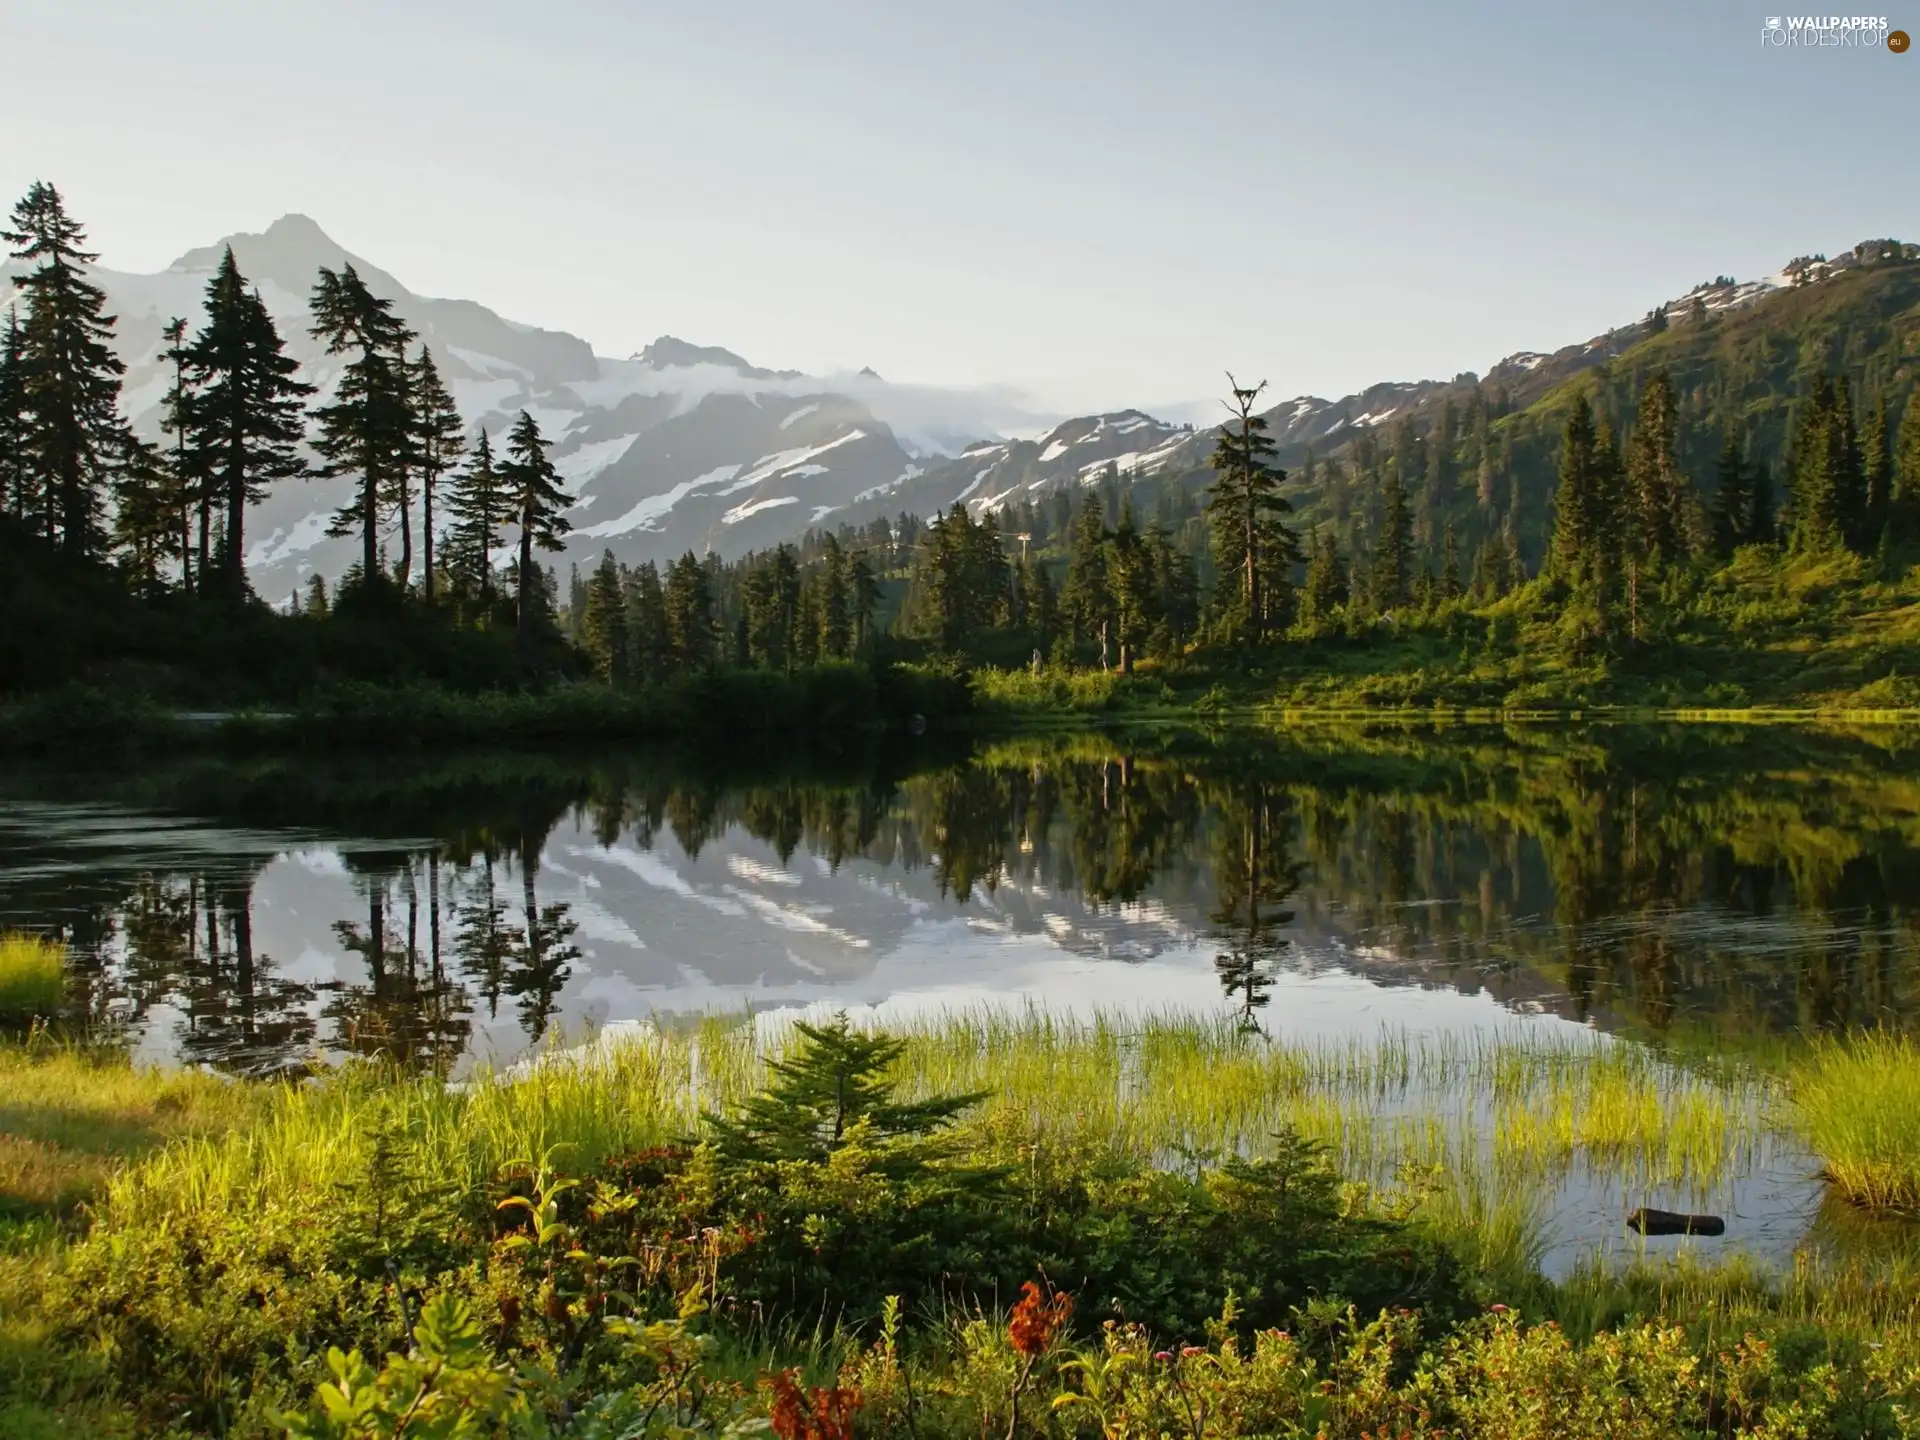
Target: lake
<point>1716,888</point>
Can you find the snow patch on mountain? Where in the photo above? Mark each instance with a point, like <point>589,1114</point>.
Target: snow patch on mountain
<point>650,508</point>
<point>754,507</point>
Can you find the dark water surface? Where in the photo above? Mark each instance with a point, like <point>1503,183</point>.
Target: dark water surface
<point>1720,883</point>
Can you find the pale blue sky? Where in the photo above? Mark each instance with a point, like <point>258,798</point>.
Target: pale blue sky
<point>1106,204</point>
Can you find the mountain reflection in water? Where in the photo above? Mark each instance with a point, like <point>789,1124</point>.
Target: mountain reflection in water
<point>1729,882</point>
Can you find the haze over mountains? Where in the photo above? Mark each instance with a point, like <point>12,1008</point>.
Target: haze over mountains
<point>692,447</point>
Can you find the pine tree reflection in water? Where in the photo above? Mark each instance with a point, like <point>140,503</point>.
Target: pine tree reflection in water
<point>1738,884</point>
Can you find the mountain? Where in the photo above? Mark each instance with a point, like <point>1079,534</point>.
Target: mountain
<point>682,446</point>
<point>686,446</point>
<point>1750,328</point>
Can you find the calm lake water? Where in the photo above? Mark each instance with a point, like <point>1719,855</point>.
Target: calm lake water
<point>1717,884</point>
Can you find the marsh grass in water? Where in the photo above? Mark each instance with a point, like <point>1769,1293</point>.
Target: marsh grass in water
<point>1857,1101</point>
<point>33,979</point>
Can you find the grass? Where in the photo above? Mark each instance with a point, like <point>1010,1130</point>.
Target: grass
<point>33,979</point>
<point>1857,1102</point>
<point>1473,1137</point>
<point>71,1119</point>
<point>1481,1133</point>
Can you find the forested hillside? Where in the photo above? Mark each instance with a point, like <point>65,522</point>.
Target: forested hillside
<point>1721,505</point>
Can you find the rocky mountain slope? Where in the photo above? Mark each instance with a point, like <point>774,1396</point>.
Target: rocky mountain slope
<point>689,447</point>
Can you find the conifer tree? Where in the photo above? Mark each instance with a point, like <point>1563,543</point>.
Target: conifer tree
<point>1613,522</point>
<point>17,492</point>
<point>1086,599</point>
<point>69,376</point>
<point>533,490</point>
<point>1245,511</point>
<point>1905,499</point>
<point>1876,468</point>
<point>1136,590</point>
<point>480,507</point>
<point>1733,498</point>
<point>1843,443</point>
<point>1657,489</point>
<point>863,595</point>
<point>836,619</point>
<point>603,623</point>
<point>1325,590</point>
<point>366,431</point>
<point>145,524</point>
<point>1577,517</point>
<point>1393,547</point>
<point>440,442</point>
<point>688,601</point>
<point>190,490</point>
<point>835,1080</point>
<point>1452,586</point>
<point>246,416</point>
<point>647,624</point>
<point>1762,523</point>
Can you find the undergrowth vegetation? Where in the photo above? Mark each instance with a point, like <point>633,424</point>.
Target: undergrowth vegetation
<point>690,1230</point>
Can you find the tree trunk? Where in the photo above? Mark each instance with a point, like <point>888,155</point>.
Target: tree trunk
<point>406,534</point>
<point>426,536</point>
<point>236,576</point>
<point>522,611</point>
<point>1253,576</point>
<point>369,525</point>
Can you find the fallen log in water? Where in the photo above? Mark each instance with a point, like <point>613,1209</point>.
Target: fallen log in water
<point>1672,1222</point>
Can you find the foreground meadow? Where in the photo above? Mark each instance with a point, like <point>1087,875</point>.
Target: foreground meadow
<point>725,1226</point>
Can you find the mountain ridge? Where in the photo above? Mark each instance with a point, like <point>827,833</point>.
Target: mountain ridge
<point>690,446</point>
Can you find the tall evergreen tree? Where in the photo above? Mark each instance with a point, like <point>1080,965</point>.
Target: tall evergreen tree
<point>440,442</point>
<point>1452,585</point>
<point>1843,445</point>
<point>145,522</point>
<point>603,625</point>
<point>246,417</point>
<point>1246,511</point>
<point>1733,498</point>
<point>481,508</point>
<point>1656,499</point>
<point>1393,546</point>
<point>863,596</point>
<point>1325,590</point>
<point>69,376</point>
<point>1086,599</point>
<point>18,494</point>
<point>647,624</point>
<point>1905,500</point>
<point>1876,468</point>
<point>533,488</point>
<point>688,600</point>
<point>1578,513</point>
<point>366,432</point>
<point>191,493</point>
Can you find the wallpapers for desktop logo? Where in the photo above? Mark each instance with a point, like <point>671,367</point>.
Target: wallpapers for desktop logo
<point>1859,32</point>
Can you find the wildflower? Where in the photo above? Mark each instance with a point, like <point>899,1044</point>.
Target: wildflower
<point>1164,1357</point>
<point>825,1414</point>
<point>1187,1352</point>
<point>1498,1309</point>
<point>1037,1319</point>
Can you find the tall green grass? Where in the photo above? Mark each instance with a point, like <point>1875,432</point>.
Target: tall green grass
<point>1473,1135</point>
<point>33,978</point>
<point>1857,1102</point>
